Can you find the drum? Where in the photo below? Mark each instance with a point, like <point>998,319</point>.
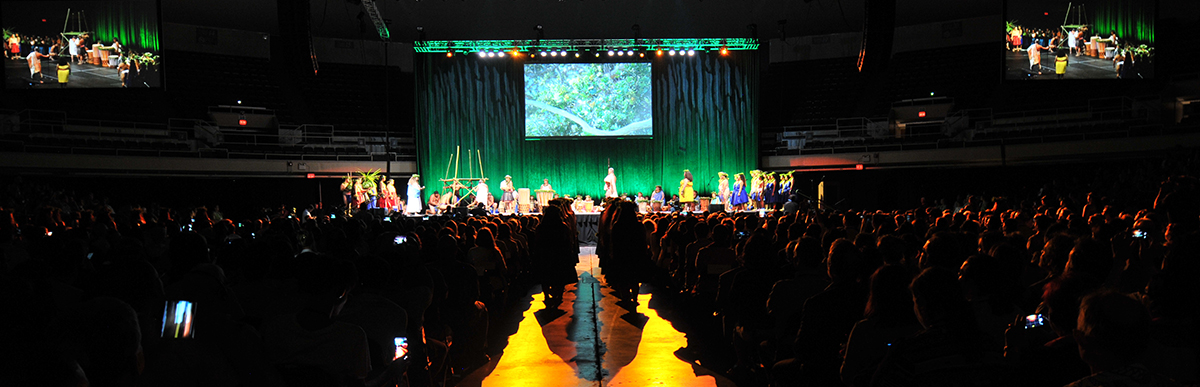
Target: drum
<point>114,61</point>
<point>588,206</point>
<point>643,206</point>
<point>523,200</point>
<point>94,55</point>
<point>656,205</point>
<point>1091,47</point>
<point>544,196</point>
<point>704,201</point>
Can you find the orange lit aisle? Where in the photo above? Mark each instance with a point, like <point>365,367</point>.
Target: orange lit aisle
<point>590,340</point>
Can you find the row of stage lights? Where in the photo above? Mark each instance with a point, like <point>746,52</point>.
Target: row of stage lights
<point>611,53</point>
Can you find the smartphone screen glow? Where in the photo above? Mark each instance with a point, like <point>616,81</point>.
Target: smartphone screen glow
<point>401,348</point>
<point>177,320</point>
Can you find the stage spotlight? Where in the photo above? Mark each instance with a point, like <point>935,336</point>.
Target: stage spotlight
<point>553,53</point>
<point>724,51</point>
<point>630,53</point>
<point>577,55</point>
<point>543,53</point>
<point>620,53</point>
<point>481,53</point>
<point>659,52</point>
<point>449,54</point>
<point>563,53</point>
<point>597,55</point>
<point>610,52</point>
<point>641,55</point>
<point>500,54</point>
<point>691,52</point>
<point>491,55</point>
<point>672,52</point>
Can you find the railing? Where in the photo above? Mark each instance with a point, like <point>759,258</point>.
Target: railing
<point>971,127</point>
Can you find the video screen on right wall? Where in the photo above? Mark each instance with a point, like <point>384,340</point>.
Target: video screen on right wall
<point>1062,39</point>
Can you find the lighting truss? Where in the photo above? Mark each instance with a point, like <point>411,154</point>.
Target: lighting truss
<point>380,24</point>
<point>474,46</point>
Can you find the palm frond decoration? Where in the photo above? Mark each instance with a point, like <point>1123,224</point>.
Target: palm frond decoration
<point>370,177</point>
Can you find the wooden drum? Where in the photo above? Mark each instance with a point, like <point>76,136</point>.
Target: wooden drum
<point>643,206</point>
<point>656,205</point>
<point>704,201</point>
<point>544,196</point>
<point>523,200</point>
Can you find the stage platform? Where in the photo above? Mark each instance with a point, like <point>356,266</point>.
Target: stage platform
<point>83,76</point>
<point>1016,67</point>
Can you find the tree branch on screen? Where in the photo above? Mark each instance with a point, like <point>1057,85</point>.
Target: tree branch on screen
<point>588,128</point>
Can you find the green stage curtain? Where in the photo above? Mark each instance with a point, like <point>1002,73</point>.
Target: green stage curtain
<point>705,119</point>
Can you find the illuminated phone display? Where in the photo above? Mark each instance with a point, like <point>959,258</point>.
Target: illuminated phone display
<point>177,320</point>
<point>401,348</point>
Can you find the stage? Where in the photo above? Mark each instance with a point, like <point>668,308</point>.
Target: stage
<point>83,76</point>
<point>1016,67</point>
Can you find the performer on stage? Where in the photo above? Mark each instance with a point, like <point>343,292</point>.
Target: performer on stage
<point>414,195</point>
<point>393,203</point>
<point>481,193</point>
<point>723,188</point>
<point>14,46</point>
<point>73,48</point>
<point>360,194</point>
<point>35,66</point>
<point>768,191</point>
<point>687,195</point>
<point>1035,56</point>
<point>610,184</point>
<point>347,190</point>
<point>435,204</point>
<point>508,197</point>
<point>785,186</point>
<point>1073,42</point>
<point>739,199</point>
<point>381,198</point>
<point>546,185</point>
<point>756,182</point>
<point>656,198</point>
<point>1060,63</point>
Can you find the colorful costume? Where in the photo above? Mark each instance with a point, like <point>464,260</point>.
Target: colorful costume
<point>414,195</point>
<point>739,194</point>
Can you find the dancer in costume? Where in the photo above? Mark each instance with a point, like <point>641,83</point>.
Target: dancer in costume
<point>360,194</point>
<point>785,188</point>
<point>1035,56</point>
<point>481,193</point>
<point>508,198</point>
<point>435,204</point>
<point>768,190</point>
<point>723,192</point>
<point>610,184</point>
<point>393,202</point>
<point>738,200</point>
<point>414,194</point>
<point>381,197</point>
<point>656,198</point>
<point>755,190</point>
<point>687,195</point>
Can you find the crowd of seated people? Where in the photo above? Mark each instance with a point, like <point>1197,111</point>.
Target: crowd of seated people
<point>285,299</point>
<point>935,295</point>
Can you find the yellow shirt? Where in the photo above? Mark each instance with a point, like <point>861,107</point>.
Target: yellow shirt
<point>686,194</point>
<point>64,71</point>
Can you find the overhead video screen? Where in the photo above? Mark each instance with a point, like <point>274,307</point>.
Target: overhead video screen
<point>1062,39</point>
<point>573,100</point>
<point>81,44</point>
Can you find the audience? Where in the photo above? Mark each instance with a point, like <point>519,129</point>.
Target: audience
<point>936,295</point>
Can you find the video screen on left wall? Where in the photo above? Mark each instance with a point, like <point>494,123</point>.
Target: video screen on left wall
<point>92,44</point>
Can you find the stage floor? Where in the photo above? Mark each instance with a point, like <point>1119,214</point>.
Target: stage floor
<point>592,340</point>
<point>1016,65</point>
<point>83,76</point>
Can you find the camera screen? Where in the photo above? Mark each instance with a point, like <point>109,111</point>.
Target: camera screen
<point>401,348</point>
<point>1034,320</point>
<point>400,239</point>
<point>177,320</point>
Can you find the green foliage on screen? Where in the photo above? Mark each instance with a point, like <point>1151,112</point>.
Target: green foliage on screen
<point>592,99</point>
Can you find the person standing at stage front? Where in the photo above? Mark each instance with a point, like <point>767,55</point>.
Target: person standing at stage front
<point>507,197</point>
<point>1035,56</point>
<point>64,72</point>
<point>610,184</point>
<point>687,195</point>
<point>414,195</point>
<point>739,198</point>
<point>35,66</point>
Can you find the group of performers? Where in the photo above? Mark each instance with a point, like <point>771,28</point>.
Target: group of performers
<point>1035,42</point>
<point>764,191</point>
<point>72,51</point>
<point>372,191</point>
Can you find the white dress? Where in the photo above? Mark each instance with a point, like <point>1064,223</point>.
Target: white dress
<point>414,199</point>
<point>610,186</point>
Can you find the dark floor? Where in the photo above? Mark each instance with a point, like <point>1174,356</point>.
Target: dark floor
<point>593,340</point>
<point>1017,67</point>
<point>83,76</point>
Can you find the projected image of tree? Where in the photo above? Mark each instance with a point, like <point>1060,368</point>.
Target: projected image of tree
<point>593,99</point>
